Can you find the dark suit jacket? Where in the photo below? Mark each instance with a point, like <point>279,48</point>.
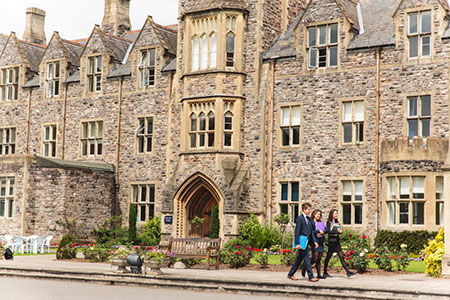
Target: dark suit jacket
<point>303,228</point>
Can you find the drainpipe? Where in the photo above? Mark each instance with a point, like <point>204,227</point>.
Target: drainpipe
<point>377,138</point>
<point>116,178</point>
<point>270,132</point>
<point>28,123</point>
<point>63,138</point>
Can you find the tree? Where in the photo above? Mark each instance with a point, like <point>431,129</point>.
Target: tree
<point>215,222</point>
<point>132,223</point>
<point>283,221</point>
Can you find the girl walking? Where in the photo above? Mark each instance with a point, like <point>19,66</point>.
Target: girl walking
<point>334,230</point>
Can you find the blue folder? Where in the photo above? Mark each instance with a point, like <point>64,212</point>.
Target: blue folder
<point>303,240</point>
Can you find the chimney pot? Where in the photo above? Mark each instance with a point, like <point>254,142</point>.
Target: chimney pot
<point>116,20</point>
<point>35,26</point>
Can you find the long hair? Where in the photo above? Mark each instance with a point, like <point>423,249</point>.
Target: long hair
<point>330,215</point>
<point>313,215</point>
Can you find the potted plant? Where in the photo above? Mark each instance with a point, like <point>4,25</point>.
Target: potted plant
<point>155,259</point>
<point>118,258</point>
<point>197,224</point>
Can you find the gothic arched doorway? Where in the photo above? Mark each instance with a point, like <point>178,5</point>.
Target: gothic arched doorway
<point>196,197</point>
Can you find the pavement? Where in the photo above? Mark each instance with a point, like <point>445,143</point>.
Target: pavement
<point>360,286</point>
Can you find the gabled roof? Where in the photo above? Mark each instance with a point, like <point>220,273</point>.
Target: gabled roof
<point>70,50</point>
<point>378,24</point>
<point>30,53</point>
<point>115,46</point>
<point>443,3</point>
<point>3,40</point>
<point>348,8</point>
<point>121,70</point>
<point>284,45</point>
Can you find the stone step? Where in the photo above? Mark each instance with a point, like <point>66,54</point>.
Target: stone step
<point>303,289</point>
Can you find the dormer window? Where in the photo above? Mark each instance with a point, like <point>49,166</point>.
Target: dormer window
<point>322,46</point>
<point>10,84</point>
<point>419,33</point>
<point>204,44</point>
<point>52,79</point>
<point>230,41</point>
<point>147,67</point>
<point>95,74</point>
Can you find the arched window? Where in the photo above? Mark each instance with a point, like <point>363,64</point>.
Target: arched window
<point>193,131</point>
<point>211,125</point>
<point>195,52</point>
<point>201,130</point>
<point>230,49</point>
<point>213,51</point>
<point>228,129</point>
<point>204,52</point>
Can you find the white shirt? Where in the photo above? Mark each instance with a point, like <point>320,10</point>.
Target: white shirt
<point>306,218</point>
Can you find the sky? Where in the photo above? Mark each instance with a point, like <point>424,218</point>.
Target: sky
<point>75,19</point>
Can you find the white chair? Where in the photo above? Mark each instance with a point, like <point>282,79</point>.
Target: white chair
<point>39,245</point>
<point>9,242</point>
<point>47,243</point>
<point>31,244</point>
<point>19,245</point>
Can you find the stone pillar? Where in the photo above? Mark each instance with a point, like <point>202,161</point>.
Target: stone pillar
<point>35,26</point>
<point>116,20</point>
<point>446,257</point>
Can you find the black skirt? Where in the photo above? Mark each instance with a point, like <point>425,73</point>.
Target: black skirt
<point>334,247</point>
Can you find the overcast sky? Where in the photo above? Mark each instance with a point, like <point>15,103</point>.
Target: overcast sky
<point>75,19</point>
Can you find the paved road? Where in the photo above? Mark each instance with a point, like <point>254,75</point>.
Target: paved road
<point>31,289</point>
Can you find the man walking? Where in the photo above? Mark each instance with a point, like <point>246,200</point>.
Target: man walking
<point>304,234</point>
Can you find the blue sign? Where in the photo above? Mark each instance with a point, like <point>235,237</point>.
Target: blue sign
<point>168,220</point>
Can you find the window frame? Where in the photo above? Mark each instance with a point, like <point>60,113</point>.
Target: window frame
<point>9,199</point>
<point>198,109</point>
<point>318,46</point>
<point>201,43</point>
<point>439,218</point>
<point>9,88</point>
<point>53,81</point>
<point>8,141</point>
<point>94,76</point>
<point>147,68</point>
<point>88,138</point>
<point>289,203</point>
<point>52,142</point>
<point>353,202</point>
<point>410,200</point>
<point>144,136</point>
<point>419,35</point>
<point>291,125</point>
<point>148,203</point>
<point>354,123</point>
<point>419,115</point>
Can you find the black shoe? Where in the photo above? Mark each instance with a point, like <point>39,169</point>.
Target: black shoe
<point>321,277</point>
<point>326,275</point>
<point>303,272</point>
<point>350,274</point>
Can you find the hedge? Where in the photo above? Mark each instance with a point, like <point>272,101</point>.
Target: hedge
<point>415,240</point>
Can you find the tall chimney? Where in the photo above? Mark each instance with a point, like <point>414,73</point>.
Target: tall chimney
<point>35,27</point>
<point>116,20</point>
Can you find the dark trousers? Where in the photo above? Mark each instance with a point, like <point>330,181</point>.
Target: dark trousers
<point>302,254</point>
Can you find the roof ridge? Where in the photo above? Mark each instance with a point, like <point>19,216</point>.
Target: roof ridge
<point>33,44</point>
<point>165,27</point>
<point>79,40</point>
<point>72,42</point>
<point>133,31</point>
<point>116,37</point>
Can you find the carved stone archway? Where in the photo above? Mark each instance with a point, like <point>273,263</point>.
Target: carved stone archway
<point>196,197</point>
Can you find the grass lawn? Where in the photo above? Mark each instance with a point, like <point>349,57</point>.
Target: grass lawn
<point>414,266</point>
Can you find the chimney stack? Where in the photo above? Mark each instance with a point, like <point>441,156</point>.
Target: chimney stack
<point>35,27</point>
<point>116,20</point>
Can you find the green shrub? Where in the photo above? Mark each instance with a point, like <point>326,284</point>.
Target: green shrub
<point>262,257</point>
<point>111,233</point>
<point>383,259</point>
<point>150,233</point>
<point>288,257</point>
<point>433,255</point>
<point>356,250</point>
<point>96,254</point>
<point>215,222</point>
<point>66,240</point>
<point>259,236</point>
<point>239,257</point>
<point>132,223</point>
<point>415,240</point>
<point>68,251</point>
<point>228,249</point>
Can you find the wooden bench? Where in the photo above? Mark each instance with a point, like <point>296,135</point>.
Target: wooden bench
<point>196,248</point>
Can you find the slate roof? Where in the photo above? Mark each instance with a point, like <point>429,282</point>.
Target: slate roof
<point>33,82</point>
<point>132,35</point>
<point>116,46</point>
<point>33,53</point>
<point>121,70</point>
<point>348,7</point>
<point>378,24</point>
<point>74,51</point>
<point>284,45</point>
<point>171,66</point>
<point>168,37</point>
<point>69,164</point>
<point>3,40</point>
<point>75,77</point>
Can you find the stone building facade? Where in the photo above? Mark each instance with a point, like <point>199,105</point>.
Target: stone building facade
<point>253,106</point>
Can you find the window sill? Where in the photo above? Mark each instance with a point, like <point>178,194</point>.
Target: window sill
<point>210,151</point>
<point>212,71</point>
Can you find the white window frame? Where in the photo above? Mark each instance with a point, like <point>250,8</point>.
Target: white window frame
<point>292,205</point>
<point>94,73</point>
<point>204,43</point>
<point>52,78</point>
<point>354,121</point>
<point>145,202</point>
<point>352,196</point>
<point>317,47</point>
<point>7,191</point>
<point>417,115</point>
<point>8,141</point>
<point>147,67</point>
<point>9,83</point>
<point>439,207</point>
<point>144,135</point>
<point>49,138</point>
<point>419,35</point>
<point>290,124</point>
<point>91,141</point>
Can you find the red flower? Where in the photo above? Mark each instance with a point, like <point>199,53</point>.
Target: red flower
<point>249,248</point>
<point>228,254</point>
<point>234,244</point>
<point>288,251</point>
<point>136,247</point>
<point>237,252</point>
<point>349,235</point>
<point>347,258</point>
<point>74,244</point>
<point>238,247</point>
<point>364,237</point>
<point>148,247</point>
<point>347,254</point>
<point>351,252</point>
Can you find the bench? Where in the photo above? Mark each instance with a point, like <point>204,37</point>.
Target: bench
<point>196,248</point>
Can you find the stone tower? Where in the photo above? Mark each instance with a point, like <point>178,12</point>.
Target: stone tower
<point>35,26</point>
<point>116,20</point>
